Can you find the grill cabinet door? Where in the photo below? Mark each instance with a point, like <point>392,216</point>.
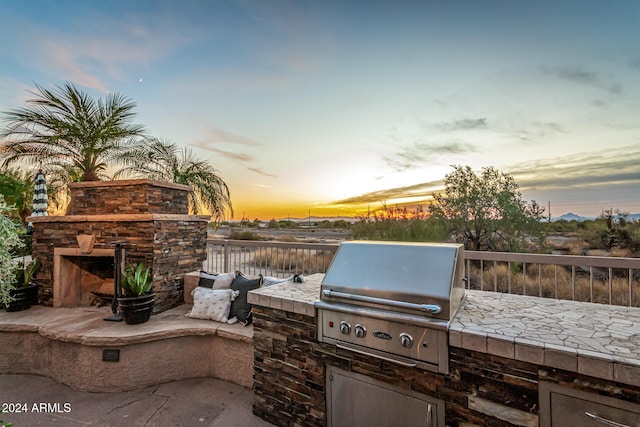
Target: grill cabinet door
<point>561,406</point>
<point>355,400</point>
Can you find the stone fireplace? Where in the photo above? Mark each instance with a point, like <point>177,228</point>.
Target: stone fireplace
<point>150,218</point>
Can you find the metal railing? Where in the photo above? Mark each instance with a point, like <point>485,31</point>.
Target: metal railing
<point>275,259</point>
<point>605,280</point>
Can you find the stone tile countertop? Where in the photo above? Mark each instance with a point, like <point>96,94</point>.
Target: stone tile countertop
<point>289,296</point>
<point>598,340</point>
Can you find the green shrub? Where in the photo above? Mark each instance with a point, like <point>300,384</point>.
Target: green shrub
<point>244,235</point>
<point>609,232</point>
<point>399,225</point>
<point>9,241</point>
<point>273,224</point>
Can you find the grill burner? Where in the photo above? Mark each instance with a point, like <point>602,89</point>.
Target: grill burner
<point>393,301</point>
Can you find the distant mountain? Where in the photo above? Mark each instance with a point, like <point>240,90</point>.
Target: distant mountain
<point>573,217</point>
<point>570,217</point>
<point>320,219</point>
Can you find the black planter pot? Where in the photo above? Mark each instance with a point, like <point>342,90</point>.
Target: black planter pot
<point>22,299</point>
<point>32,292</point>
<point>136,310</point>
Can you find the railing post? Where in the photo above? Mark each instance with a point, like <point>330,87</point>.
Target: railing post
<point>225,262</point>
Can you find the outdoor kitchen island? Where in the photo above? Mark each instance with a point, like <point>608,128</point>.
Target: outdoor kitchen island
<point>513,360</point>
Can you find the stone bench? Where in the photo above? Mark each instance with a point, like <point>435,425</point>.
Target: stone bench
<point>76,347</point>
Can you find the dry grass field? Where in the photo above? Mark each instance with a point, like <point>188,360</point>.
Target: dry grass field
<point>555,281</point>
<point>298,260</point>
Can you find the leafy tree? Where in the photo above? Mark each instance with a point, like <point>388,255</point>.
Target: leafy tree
<point>162,160</point>
<point>486,211</point>
<point>17,188</point>
<point>70,132</point>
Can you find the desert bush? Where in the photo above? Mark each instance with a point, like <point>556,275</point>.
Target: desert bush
<point>244,235</point>
<point>340,224</point>
<point>273,224</point>
<point>287,223</point>
<point>577,247</point>
<point>561,226</point>
<point>612,231</point>
<point>400,225</point>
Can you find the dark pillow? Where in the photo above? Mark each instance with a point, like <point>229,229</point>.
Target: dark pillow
<point>206,279</point>
<point>240,308</point>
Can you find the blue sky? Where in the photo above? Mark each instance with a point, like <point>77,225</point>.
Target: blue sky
<point>331,107</point>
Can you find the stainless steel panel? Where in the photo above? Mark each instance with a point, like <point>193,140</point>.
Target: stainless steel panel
<point>390,316</point>
<point>384,338</point>
<point>382,335</point>
<point>355,400</point>
<point>562,406</point>
<point>414,273</point>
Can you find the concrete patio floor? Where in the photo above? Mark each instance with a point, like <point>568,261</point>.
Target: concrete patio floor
<point>190,402</point>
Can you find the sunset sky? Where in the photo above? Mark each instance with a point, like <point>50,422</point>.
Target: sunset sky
<point>334,107</point>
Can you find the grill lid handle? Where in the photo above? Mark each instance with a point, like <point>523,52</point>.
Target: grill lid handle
<point>427,308</point>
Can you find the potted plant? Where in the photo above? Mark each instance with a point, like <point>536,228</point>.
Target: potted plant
<point>9,242</point>
<point>24,283</point>
<point>138,300</point>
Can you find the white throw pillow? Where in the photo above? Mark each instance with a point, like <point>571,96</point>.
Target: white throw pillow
<point>216,281</point>
<point>223,281</point>
<point>211,304</point>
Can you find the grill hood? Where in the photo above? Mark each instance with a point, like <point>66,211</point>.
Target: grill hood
<point>421,279</point>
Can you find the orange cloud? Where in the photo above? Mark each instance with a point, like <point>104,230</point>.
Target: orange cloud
<point>68,66</point>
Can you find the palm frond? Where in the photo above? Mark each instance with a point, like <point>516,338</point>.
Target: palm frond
<point>67,127</point>
<point>163,160</point>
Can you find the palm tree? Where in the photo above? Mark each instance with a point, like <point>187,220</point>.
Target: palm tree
<point>164,161</point>
<point>68,130</point>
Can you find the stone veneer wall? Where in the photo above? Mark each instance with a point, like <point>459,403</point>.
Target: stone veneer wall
<point>128,197</point>
<point>150,217</point>
<point>171,248</point>
<point>480,389</point>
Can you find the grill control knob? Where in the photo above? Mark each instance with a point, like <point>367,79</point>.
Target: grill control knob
<point>345,328</point>
<point>406,340</point>
<point>360,331</point>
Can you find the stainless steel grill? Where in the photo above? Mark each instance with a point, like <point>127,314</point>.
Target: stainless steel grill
<point>393,301</point>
